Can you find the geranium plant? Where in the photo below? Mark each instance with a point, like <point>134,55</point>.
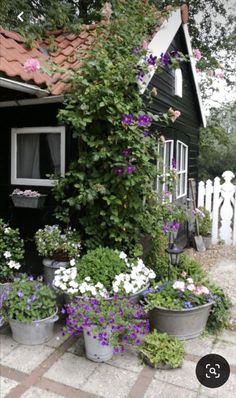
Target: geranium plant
<point>28,300</point>
<point>11,251</point>
<point>179,294</point>
<point>104,272</point>
<point>112,322</point>
<point>27,193</point>
<point>53,243</point>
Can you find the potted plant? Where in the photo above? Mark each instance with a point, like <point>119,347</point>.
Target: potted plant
<point>161,351</point>
<point>107,325</point>
<point>11,253</point>
<point>205,225</point>
<point>28,198</point>
<point>104,272</point>
<point>30,307</point>
<point>179,308</point>
<point>57,247</point>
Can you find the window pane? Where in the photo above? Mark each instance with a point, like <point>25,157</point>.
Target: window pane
<point>184,157</point>
<point>38,155</point>
<point>179,156</point>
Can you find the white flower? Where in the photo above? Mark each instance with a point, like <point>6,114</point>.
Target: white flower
<point>7,254</point>
<point>115,288</point>
<point>191,287</point>
<point>65,278</point>
<point>87,279</point>
<point>99,285</point>
<point>14,264</point>
<point>190,280</point>
<point>63,287</point>
<point>179,285</point>
<point>73,284</point>
<point>93,291</point>
<point>122,255</point>
<point>72,262</point>
<point>7,230</point>
<point>82,289</point>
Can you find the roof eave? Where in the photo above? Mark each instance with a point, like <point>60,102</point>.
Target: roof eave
<point>23,87</point>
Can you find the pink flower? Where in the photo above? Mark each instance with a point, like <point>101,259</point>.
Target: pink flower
<point>219,73</point>
<point>183,274</point>
<point>31,65</point>
<point>191,287</point>
<point>173,114</point>
<point>197,54</point>
<point>179,285</point>
<point>145,44</point>
<point>201,290</point>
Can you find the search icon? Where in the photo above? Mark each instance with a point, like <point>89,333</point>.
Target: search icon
<point>212,371</point>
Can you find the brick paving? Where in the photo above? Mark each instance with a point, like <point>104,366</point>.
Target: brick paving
<point>59,369</point>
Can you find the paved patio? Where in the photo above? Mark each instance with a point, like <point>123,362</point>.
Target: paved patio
<point>59,368</point>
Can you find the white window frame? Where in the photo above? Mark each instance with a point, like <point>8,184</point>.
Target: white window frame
<point>182,171</point>
<point>165,173</point>
<point>35,130</point>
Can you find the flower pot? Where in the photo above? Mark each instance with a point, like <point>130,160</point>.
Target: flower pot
<point>207,241</point>
<point>136,297</point>
<point>160,365</point>
<point>95,351</point>
<point>184,324</point>
<point>4,288</point>
<point>33,333</point>
<point>34,202</point>
<point>50,266</point>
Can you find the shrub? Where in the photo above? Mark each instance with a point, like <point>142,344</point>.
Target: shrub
<point>193,268</point>
<point>161,349</point>
<point>157,258</point>
<point>205,222</point>
<point>220,312</point>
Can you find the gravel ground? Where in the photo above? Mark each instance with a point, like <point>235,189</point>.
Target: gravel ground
<point>213,255</point>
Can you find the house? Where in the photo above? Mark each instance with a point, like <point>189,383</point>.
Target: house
<point>35,144</point>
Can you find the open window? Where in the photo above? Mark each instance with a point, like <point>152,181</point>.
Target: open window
<point>36,153</point>
<point>182,169</point>
<point>164,165</point>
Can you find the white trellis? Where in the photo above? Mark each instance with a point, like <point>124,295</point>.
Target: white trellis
<point>220,200</point>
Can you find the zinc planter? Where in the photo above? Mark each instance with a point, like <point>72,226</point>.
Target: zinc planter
<point>4,287</point>
<point>185,324</point>
<point>33,333</point>
<point>207,241</point>
<point>35,202</point>
<point>95,351</point>
<point>50,266</point>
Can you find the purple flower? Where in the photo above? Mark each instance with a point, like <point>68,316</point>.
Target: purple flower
<point>173,163</point>
<point>144,120</point>
<point>127,118</point>
<point>136,51</point>
<point>33,297</point>
<point>20,293</point>
<point>175,53</point>
<point>151,60</point>
<point>175,226</point>
<point>116,350</point>
<point>187,304</point>
<point>37,286</point>
<point>101,319</point>
<point>165,59</point>
<point>119,170</point>
<point>30,278</point>
<point>126,152</point>
<point>145,133</point>
<point>130,168</point>
<point>140,75</point>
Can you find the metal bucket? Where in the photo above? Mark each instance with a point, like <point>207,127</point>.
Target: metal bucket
<point>185,324</point>
<point>50,266</point>
<point>136,297</point>
<point>33,333</point>
<point>95,351</point>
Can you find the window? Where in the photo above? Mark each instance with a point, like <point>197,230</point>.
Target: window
<point>182,169</point>
<point>164,165</point>
<point>37,152</point>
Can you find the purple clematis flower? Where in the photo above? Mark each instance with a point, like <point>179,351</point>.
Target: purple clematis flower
<point>144,120</point>
<point>173,163</point>
<point>119,171</point>
<point>151,60</point>
<point>165,59</point>
<point>146,133</point>
<point>130,168</point>
<point>127,118</point>
<point>126,152</point>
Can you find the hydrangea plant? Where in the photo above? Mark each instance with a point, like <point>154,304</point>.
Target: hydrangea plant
<point>116,322</point>
<point>102,273</point>
<point>53,243</point>
<point>11,251</point>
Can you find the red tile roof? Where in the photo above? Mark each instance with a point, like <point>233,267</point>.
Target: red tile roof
<point>14,53</point>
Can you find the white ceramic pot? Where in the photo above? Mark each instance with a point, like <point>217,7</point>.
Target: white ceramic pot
<point>95,351</point>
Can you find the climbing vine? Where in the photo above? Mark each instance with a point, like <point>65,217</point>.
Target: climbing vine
<point>108,192</point>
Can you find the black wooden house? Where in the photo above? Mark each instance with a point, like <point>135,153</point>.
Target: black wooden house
<point>34,144</point>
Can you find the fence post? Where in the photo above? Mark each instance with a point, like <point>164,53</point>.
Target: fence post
<point>209,191</point>
<point>201,194</point>
<point>215,212</point>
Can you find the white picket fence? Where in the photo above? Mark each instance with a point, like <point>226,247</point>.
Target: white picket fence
<point>220,200</point>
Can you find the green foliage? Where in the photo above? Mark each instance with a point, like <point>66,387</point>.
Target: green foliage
<point>157,258</point>
<point>205,222</point>
<point>60,245</point>
<point>192,268</point>
<point>179,294</point>
<point>11,251</point>
<point>220,312</point>
<point>162,349</point>
<point>104,89</point>
<point>29,300</point>
<point>102,265</point>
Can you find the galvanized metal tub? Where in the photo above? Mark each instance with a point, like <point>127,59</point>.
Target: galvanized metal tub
<point>50,266</point>
<point>95,351</point>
